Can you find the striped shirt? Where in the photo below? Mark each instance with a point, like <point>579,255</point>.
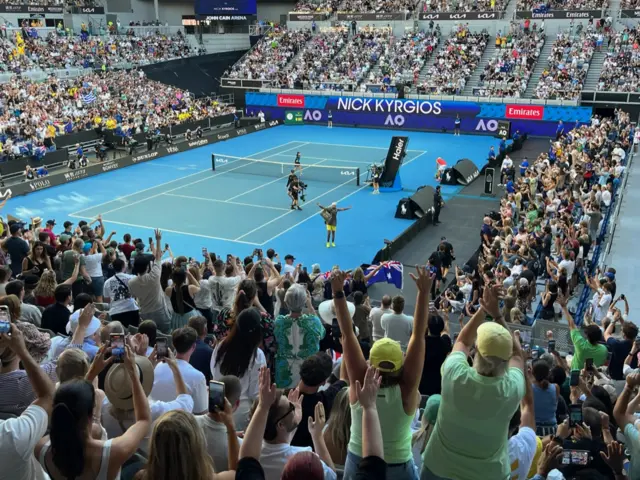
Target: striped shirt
<point>16,392</point>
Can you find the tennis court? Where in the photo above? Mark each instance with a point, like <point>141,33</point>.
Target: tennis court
<point>244,204</point>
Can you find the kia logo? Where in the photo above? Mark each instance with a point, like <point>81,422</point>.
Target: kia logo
<point>431,16</point>
<point>487,15</point>
<point>458,16</point>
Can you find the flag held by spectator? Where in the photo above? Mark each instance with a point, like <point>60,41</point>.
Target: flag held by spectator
<point>391,272</point>
<point>89,98</point>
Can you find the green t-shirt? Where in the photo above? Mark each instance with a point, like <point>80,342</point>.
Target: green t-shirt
<point>584,349</point>
<point>470,438</point>
<point>68,264</point>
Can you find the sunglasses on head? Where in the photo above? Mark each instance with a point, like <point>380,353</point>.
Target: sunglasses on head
<point>290,410</point>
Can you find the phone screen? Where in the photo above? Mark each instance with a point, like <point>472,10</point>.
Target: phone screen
<point>588,364</point>
<point>161,348</point>
<point>552,345</point>
<point>204,251</point>
<point>575,415</point>
<point>117,347</point>
<point>575,378</point>
<point>216,396</point>
<point>575,457</point>
<point>5,319</point>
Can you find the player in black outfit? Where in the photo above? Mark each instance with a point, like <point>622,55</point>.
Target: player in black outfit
<point>297,164</point>
<point>294,188</point>
<point>437,205</point>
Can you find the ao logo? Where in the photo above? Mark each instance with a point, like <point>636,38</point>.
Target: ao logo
<point>313,115</point>
<point>490,125</point>
<point>394,120</point>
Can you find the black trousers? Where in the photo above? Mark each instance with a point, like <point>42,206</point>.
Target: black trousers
<point>436,214</point>
<point>127,319</point>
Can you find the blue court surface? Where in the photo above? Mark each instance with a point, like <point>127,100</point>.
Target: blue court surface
<point>243,205</point>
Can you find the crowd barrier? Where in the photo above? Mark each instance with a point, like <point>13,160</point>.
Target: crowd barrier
<point>73,175</point>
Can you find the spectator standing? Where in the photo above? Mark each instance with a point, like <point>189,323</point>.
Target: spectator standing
<point>223,283</point>
<point>201,356</point>
<point>584,348</point>
<point>376,316</point>
<point>16,247</point>
<point>620,348</point>
<point>28,313</point>
<point>122,305</point>
<point>181,294</point>
<point>55,317</point>
<point>438,347</point>
<point>398,326</point>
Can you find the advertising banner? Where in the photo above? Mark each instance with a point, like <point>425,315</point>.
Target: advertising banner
<point>73,175</point>
<point>294,117</point>
<point>630,13</point>
<point>395,155</point>
<point>367,17</point>
<point>31,9</point>
<point>460,16</point>
<point>539,120</point>
<point>488,181</point>
<point>559,14</point>
<point>88,10</point>
<point>504,129</point>
<point>241,83</point>
<point>307,16</point>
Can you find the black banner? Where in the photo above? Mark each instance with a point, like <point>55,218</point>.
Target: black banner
<point>488,181</point>
<point>630,13</point>
<point>30,9</point>
<point>395,155</point>
<point>366,17</point>
<point>18,165</point>
<point>307,17</point>
<point>226,18</point>
<point>504,129</point>
<point>78,137</point>
<point>460,16</point>
<point>560,14</point>
<point>242,83</point>
<point>73,175</point>
<point>466,171</point>
<point>87,10</point>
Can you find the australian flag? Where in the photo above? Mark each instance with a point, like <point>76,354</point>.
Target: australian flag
<point>390,272</point>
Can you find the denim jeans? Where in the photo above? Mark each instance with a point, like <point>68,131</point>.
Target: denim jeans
<point>429,475</point>
<point>405,471</point>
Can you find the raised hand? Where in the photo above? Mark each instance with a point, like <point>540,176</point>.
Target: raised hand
<point>367,393</point>
<point>423,279</point>
<point>267,392</point>
<point>337,281</point>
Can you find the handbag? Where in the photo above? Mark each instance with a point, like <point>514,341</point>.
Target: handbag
<point>326,215</point>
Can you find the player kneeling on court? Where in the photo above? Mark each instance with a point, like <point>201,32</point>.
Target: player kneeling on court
<point>330,216</point>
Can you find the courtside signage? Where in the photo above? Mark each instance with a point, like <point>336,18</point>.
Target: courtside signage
<point>296,101</point>
<point>525,112</point>
<point>73,175</point>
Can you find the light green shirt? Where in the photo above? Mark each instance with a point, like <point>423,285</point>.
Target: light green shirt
<point>633,444</point>
<point>470,436</point>
<point>395,425</point>
<point>584,349</point>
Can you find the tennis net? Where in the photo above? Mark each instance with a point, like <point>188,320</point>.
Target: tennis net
<point>318,173</point>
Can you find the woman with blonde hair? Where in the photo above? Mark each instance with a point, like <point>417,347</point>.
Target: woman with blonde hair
<point>338,431</point>
<point>46,288</point>
<point>178,450</point>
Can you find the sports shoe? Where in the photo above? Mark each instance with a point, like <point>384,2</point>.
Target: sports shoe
<point>328,244</point>
<point>299,208</point>
<point>333,244</point>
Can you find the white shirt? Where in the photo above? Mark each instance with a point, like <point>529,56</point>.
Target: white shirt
<point>569,266</point>
<point>223,290</point>
<point>601,301</point>
<point>375,316</point>
<point>113,428</point>
<point>202,299</point>
<point>274,457</point>
<point>146,288</point>
<point>215,434</point>
<point>164,387</point>
<point>398,327</point>
<point>18,438</point>
<point>92,265</point>
<point>120,295</point>
<point>606,197</point>
<point>286,268</point>
<point>506,163</point>
<point>522,451</point>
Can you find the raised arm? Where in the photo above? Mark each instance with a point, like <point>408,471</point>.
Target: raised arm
<point>372,444</point>
<point>620,410</point>
<point>316,426</point>
<point>158,253</point>
<point>252,441</point>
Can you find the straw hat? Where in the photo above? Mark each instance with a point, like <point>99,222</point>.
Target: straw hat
<point>117,384</point>
<point>327,311</point>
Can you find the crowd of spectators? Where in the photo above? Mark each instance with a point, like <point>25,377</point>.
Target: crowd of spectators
<point>464,5</point>
<point>70,3</point>
<point>378,6</point>
<point>620,68</point>
<point>113,344</point>
<point>268,59</point>
<point>568,63</point>
<point>455,61</point>
<point>323,6</point>
<point>404,57</point>
<point>31,112</point>
<point>507,73</point>
<point>539,6</point>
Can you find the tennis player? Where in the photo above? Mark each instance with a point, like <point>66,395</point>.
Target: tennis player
<point>330,216</point>
<point>375,180</point>
<point>294,192</point>
<point>330,118</point>
<point>296,163</point>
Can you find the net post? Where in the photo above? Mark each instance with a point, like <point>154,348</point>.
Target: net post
<point>213,162</point>
<point>357,176</point>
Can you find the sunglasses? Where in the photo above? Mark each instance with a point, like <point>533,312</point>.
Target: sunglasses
<point>291,409</point>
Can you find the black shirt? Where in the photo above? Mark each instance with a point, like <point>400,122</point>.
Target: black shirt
<point>55,318</point>
<point>437,200</point>
<point>619,351</point>
<point>18,249</point>
<point>201,359</point>
<point>529,275</point>
<point>302,438</point>
<point>249,469</point>
<point>437,349</point>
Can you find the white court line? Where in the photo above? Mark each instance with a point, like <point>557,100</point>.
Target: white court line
<point>359,146</point>
<point>318,212</point>
<point>226,201</point>
<point>191,234</point>
<point>170,181</point>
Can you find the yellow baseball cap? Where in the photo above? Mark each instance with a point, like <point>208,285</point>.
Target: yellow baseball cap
<point>386,355</point>
<point>494,341</point>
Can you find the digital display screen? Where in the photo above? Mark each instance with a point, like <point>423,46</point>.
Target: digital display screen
<point>225,7</point>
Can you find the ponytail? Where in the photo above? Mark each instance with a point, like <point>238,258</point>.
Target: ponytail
<point>242,302</point>
<point>544,384</point>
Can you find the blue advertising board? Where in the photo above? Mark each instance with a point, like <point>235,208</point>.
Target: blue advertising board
<point>539,120</point>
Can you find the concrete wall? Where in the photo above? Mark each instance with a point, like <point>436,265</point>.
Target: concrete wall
<point>272,11</point>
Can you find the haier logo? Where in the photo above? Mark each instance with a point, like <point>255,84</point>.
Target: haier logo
<point>524,112</point>
<point>144,157</point>
<point>172,149</point>
<point>75,174</point>
<point>110,166</point>
<point>198,143</point>
<point>39,184</point>
<point>397,154</point>
<point>290,101</point>
<point>223,137</point>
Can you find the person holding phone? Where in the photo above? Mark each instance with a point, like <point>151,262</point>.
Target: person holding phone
<point>123,307</point>
<point>546,396</point>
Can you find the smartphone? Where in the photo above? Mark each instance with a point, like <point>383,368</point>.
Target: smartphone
<point>575,457</point>
<point>216,396</point>
<point>575,378</point>
<point>166,246</point>
<point>150,240</point>
<point>575,415</point>
<point>535,354</point>
<point>161,348</point>
<point>117,347</point>
<point>304,269</point>
<point>526,348</point>
<point>551,345</point>
<point>5,320</point>
<point>588,364</point>
<point>204,252</point>
<point>622,296</point>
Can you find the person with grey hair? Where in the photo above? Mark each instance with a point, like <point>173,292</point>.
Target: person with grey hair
<point>297,335</point>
